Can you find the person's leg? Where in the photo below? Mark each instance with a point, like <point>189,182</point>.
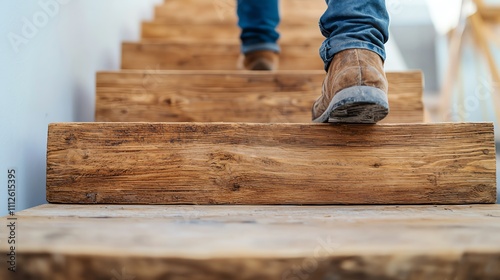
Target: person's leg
<point>354,24</point>
<point>258,20</point>
<point>355,88</point>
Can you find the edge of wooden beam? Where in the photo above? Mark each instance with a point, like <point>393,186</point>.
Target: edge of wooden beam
<point>239,163</point>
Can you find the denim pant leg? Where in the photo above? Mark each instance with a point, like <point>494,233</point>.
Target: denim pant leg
<point>258,20</point>
<point>354,24</point>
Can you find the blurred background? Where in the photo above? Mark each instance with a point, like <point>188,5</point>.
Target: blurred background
<point>50,51</point>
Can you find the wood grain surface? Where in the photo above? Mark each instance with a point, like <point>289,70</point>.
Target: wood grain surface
<point>158,31</point>
<point>105,164</point>
<point>236,163</point>
<point>210,56</point>
<point>233,96</point>
<point>194,33</point>
<point>81,242</point>
<point>224,11</point>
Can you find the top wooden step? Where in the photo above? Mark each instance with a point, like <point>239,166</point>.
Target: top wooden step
<point>158,31</point>
<point>300,12</point>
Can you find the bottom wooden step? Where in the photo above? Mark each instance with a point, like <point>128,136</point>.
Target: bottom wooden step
<point>255,242</point>
<point>236,163</point>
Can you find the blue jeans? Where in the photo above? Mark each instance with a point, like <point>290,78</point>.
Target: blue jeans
<point>258,20</point>
<point>346,24</point>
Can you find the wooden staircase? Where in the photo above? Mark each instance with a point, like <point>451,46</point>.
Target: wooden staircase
<point>196,170</point>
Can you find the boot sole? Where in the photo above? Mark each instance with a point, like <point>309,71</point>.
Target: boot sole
<point>358,104</point>
<point>262,65</point>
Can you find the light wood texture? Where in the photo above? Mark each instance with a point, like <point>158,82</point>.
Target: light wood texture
<point>224,163</point>
<point>184,33</point>
<point>233,96</point>
<point>215,56</point>
<point>224,11</point>
<point>155,31</point>
<point>256,242</point>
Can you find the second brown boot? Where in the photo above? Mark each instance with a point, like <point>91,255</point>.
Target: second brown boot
<point>354,90</point>
<point>260,60</point>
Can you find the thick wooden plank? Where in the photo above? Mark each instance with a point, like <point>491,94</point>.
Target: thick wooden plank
<point>233,96</point>
<point>215,56</point>
<point>232,163</point>
<point>256,242</point>
<point>286,6</point>
<point>182,33</point>
<point>224,11</point>
<point>197,33</point>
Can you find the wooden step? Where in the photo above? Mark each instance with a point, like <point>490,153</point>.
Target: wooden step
<point>183,16</point>
<point>197,33</point>
<point>233,96</point>
<point>210,56</point>
<point>209,11</point>
<point>286,6</point>
<point>256,242</point>
<point>224,163</point>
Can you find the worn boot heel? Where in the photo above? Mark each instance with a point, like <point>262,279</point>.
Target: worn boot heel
<point>358,104</point>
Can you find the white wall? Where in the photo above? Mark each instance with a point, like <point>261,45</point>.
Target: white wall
<point>48,75</point>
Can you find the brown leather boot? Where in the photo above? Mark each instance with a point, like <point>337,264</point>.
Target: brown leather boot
<point>261,60</point>
<point>354,90</point>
